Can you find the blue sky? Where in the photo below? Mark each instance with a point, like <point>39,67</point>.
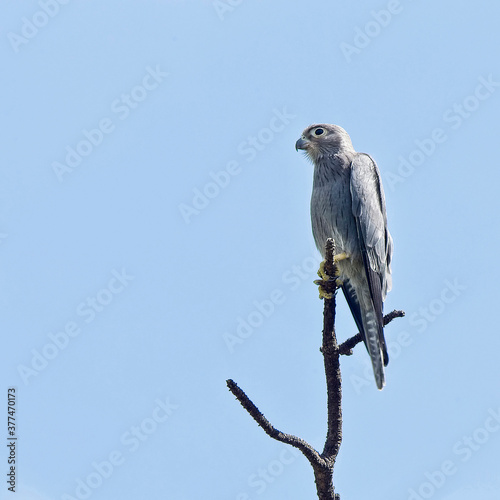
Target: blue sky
<point>155,240</point>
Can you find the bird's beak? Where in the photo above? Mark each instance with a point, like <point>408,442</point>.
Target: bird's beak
<point>302,143</point>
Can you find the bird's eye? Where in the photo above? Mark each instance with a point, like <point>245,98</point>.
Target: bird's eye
<point>319,131</point>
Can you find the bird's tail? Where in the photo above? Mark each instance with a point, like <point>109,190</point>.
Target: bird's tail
<point>372,340</point>
<point>369,324</point>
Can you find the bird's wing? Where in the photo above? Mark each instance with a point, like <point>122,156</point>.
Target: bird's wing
<point>368,208</point>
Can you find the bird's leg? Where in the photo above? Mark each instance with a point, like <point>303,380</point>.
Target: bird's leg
<point>340,256</point>
<point>330,281</point>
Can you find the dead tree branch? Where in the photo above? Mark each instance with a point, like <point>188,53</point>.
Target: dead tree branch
<point>309,452</point>
<point>322,463</point>
<point>346,347</point>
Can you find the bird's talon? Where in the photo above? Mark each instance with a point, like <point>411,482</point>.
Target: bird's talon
<point>321,271</point>
<point>333,284</point>
<point>323,294</point>
<point>324,275</point>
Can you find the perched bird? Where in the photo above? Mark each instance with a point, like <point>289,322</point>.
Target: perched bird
<point>348,205</point>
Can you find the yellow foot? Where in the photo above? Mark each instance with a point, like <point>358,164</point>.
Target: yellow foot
<point>323,294</point>
<point>323,274</point>
<point>341,256</point>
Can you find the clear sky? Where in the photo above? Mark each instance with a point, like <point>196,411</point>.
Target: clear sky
<point>155,240</point>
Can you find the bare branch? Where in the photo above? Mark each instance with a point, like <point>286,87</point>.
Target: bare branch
<point>309,452</point>
<point>393,315</point>
<point>331,359</point>
<point>346,347</point>
<point>323,463</point>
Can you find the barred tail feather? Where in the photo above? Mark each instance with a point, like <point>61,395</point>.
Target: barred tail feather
<point>371,331</point>
<point>367,321</point>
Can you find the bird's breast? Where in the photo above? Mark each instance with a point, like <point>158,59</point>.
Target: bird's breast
<point>331,216</point>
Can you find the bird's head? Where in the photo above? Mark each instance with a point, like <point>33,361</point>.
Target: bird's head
<point>323,140</point>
